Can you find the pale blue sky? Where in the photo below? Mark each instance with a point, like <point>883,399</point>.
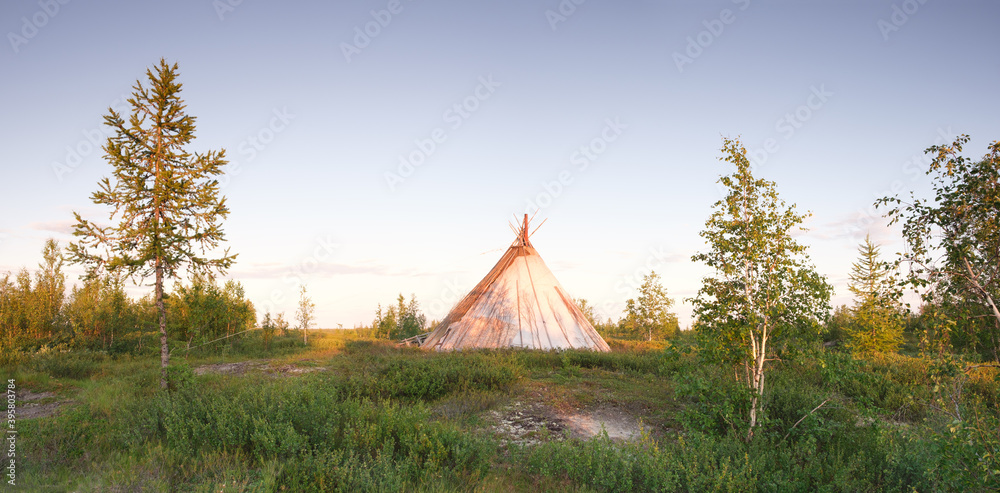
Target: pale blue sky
<point>868,84</point>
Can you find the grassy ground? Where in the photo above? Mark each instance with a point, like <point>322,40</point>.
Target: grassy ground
<point>347,413</point>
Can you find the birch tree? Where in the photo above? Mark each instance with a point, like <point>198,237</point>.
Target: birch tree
<point>166,210</point>
<point>649,316</point>
<point>305,314</point>
<point>765,291</point>
<point>953,240</point>
<point>49,292</point>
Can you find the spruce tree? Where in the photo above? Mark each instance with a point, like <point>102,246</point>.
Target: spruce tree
<point>166,210</point>
<point>877,322</point>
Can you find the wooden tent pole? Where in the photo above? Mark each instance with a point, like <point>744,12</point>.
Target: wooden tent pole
<point>537,227</point>
<point>524,231</point>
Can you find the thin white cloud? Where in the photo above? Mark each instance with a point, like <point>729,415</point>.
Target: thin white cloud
<point>326,269</point>
<point>276,271</point>
<point>620,253</point>
<point>565,265</point>
<point>853,227</point>
<point>63,226</point>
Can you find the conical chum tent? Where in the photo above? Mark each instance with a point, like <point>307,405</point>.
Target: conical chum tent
<point>518,304</point>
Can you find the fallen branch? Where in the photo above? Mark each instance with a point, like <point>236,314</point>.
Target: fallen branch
<point>983,365</point>
<point>806,416</point>
<point>217,340</point>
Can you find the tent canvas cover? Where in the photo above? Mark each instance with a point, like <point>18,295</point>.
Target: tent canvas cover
<point>518,304</point>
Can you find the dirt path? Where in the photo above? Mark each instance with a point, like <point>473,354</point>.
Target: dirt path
<point>260,365</point>
<point>38,404</point>
<point>32,405</point>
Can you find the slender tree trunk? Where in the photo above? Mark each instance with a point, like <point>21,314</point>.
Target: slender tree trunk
<point>757,382</point>
<point>757,394</point>
<point>986,294</point>
<point>162,314</point>
<point>993,306</point>
<point>157,191</point>
<point>757,349</point>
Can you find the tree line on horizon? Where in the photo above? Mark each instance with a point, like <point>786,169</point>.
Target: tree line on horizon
<point>98,314</point>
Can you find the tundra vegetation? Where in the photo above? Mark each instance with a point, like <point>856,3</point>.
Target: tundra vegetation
<point>768,391</point>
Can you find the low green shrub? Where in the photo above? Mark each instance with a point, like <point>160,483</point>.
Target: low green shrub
<point>985,384</point>
<point>180,376</point>
<point>631,345</point>
<point>699,462</point>
<point>895,387</point>
<point>965,455</point>
<point>273,421</point>
<point>651,362</point>
<point>712,402</point>
<point>636,362</point>
<point>342,470</point>
<point>63,363</point>
<point>799,406</point>
<point>135,343</point>
<point>429,377</point>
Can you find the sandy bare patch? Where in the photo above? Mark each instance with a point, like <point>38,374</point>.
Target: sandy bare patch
<point>533,423</point>
<point>294,370</point>
<point>527,424</point>
<point>38,404</point>
<point>27,395</point>
<point>231,368</point>
<point>261,366</point>
<point>618,424</point>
